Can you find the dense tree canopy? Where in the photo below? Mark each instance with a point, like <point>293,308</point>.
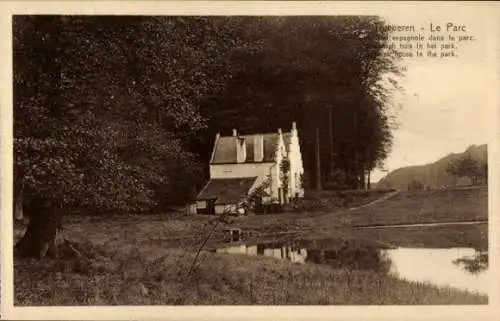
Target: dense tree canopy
<point>119,113</point>
<point>328,73</point>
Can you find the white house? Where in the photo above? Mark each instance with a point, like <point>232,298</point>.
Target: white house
<point>241,163</point>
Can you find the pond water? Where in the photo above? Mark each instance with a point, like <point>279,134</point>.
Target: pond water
<point>440,267</point>
<point>461,268</point>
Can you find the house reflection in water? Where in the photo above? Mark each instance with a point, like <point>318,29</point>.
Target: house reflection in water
<point>278,251</point>
<point>428,265</point>
<point>238,249</point>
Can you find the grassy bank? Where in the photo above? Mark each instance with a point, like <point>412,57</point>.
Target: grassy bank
<point>157,236</point>
<point>405,207</point>
<point>177,230</point>
<point>135,277</point>
<point>474,236</point>
<point>178,225</point>
<point>426,206</point>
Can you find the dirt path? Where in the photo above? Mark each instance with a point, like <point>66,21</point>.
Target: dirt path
<point>304,225</point>
<point>425,224</point>
<point>430,224</point>
<point>381,199</point>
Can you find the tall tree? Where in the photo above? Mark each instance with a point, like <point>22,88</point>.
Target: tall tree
<point>103,107</point>
<point>468,167</point>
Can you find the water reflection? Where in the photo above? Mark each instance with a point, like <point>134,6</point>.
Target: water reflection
<point>280,251</point>
<point>349,254</point>
<point>462,268</point>
<point>439,266</point>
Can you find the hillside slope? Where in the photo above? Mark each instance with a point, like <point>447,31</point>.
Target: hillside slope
<point>433,174</point>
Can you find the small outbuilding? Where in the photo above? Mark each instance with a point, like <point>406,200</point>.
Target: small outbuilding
<point>224,195</point>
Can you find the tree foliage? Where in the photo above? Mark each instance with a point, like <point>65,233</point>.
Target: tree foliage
<point>285,175</point>
<point>468,167</point>
<point>103,107</point>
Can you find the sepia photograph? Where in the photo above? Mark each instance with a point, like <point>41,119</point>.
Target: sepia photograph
<point>250,159</point>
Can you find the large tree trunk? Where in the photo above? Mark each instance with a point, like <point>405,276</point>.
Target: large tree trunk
<point>18,194</point>
<point>368,183</point>
<point>362,177</point>
<point>18,205</point>
<point>319,186</point>
<point>355,158</point>
<point>349,180</point>
<point>39,239</point>
<point>332,140</point>
<point>355,170</point>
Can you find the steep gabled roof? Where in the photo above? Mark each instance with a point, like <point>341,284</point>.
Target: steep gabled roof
<point>227,190</point>
<point>225,148</point>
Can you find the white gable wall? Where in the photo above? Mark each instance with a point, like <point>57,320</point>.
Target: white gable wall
<point>280,154</point>
<point>296,166</point>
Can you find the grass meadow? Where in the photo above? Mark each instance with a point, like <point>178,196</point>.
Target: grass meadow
<point>134,277</point>
<point>142,260</point>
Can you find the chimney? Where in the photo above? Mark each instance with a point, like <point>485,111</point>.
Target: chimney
<point>258,148</point>
<point>280,142</point>
<point>235,133</point>
<point>294,140</point>
<point>241,149</point>
<point>294,130</point>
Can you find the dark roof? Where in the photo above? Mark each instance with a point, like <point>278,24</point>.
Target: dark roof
<point>226,190</point>
<point>225,148</point>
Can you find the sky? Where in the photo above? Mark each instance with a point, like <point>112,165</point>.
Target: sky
<point>447,104</point>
